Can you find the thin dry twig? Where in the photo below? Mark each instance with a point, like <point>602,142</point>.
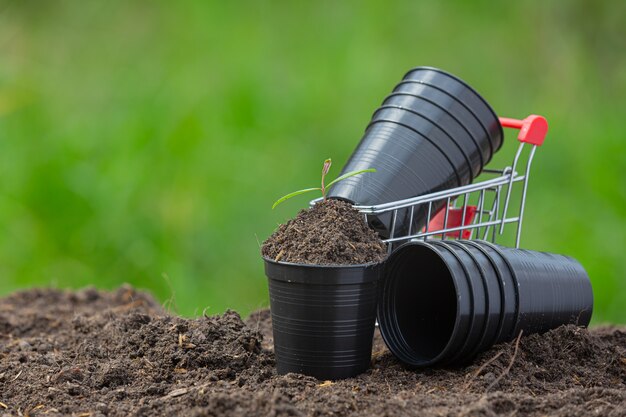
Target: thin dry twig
<point>171,301</point>
<point>18,375</point>
<point>508,368</point>
<point>291,226</point>
<point>388,386</point>
<point>183,391</point>
<point>376,354</point>
<point>479,370</point>
<point>178,392</point>
<point>280,255</point>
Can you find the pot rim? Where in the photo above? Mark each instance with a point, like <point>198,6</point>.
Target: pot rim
<point>321,266</point>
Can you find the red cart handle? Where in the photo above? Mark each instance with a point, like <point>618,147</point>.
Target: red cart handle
<point>532,129</point>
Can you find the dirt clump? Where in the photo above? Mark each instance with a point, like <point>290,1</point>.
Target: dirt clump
<point>331,232</point>
<point>91,353</point>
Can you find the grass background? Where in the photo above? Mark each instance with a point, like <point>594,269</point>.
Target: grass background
<point>145,142</point>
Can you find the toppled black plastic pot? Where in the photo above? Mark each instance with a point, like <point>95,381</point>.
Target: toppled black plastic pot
<point>323,317</point>
<point>442,302</point>
<point>440,136</point>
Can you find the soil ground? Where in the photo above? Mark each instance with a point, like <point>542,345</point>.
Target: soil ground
<point>91,353</point>
<point>331,232</point>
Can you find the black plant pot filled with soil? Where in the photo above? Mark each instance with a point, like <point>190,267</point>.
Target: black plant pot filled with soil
<point>324,269</point>
<point>323,317</point>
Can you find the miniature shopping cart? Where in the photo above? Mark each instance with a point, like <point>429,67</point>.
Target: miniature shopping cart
<point>475,211</point>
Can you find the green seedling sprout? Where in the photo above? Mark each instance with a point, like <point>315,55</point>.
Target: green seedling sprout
<point>325,187</point>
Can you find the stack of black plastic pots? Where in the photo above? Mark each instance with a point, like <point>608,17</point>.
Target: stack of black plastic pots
<point>438,302</point>
<point>443,302</point>
<point>432,133</point>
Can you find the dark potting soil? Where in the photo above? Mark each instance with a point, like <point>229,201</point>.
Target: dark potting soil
<point>91,353</point>
<point>330,233</point>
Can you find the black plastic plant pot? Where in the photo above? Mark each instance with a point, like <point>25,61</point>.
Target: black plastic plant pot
<point>443,302</point>
<point>323,317</point>
<point>426,309</point>
<point>439,142</point>
<point>463,93</point>
<point>492,263</point>
<point>452,125</point>
<point>423,127</point>
<point>552,289</point>
<point>404,161</point>
<point>426,93</point>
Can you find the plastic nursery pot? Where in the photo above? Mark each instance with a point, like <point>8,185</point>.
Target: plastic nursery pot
<point>436,172</point>
<point>423,127</point>
<point>552,289</point>
<point>444,302</point>
<point>427,94</point>
<point>463,93</point>
<point>502,311</point>
<point>323,317</point>
<point>418,149</point>
<point>449,124</point>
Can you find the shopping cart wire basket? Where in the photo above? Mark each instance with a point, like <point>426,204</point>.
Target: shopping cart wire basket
<point>475,211</point>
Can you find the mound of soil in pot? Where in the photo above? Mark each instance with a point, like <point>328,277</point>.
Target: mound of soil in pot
<point>91,353</point>
<point>330,233</point>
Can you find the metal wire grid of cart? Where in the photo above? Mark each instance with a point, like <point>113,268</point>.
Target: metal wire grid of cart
<point>475,211</point>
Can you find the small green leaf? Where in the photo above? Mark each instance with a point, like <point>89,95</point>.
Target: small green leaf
<point>295,193</point>
<point>348,175</point>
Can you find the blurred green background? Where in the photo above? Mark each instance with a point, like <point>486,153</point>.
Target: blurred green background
<point>145,142</point>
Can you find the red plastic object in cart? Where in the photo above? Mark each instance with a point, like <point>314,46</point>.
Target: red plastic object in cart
<point>455,219</point>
